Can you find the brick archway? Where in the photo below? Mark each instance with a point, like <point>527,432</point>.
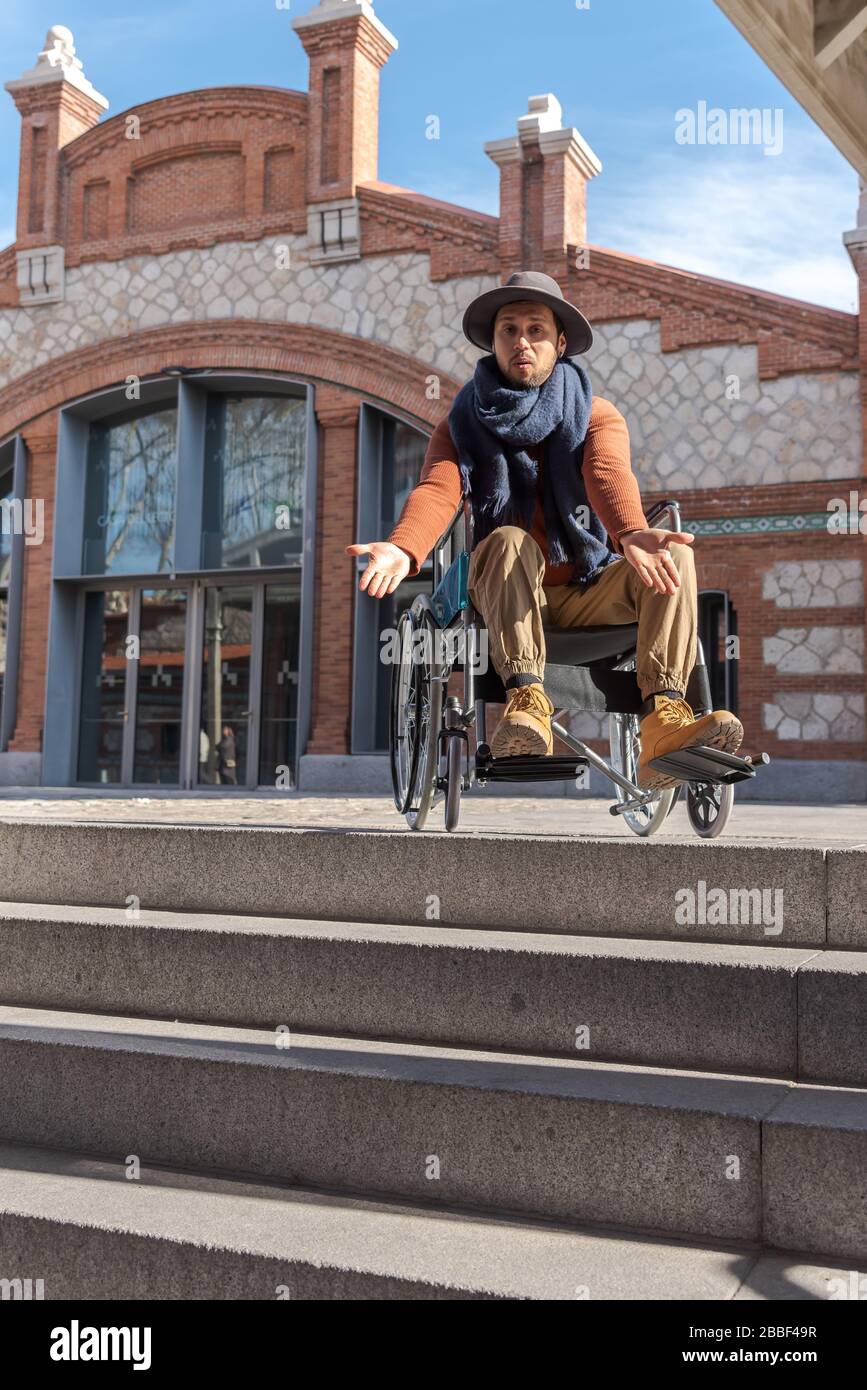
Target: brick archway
<point>345,369</point>
<point>354,364</point>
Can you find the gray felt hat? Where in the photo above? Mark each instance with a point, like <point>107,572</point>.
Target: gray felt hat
<point>478,320</point>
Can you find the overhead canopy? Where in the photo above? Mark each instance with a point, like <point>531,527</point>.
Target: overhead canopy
<point>818,49</point>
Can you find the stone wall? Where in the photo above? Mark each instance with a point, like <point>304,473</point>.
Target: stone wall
<point>685,433</point>
<point>815,584</point>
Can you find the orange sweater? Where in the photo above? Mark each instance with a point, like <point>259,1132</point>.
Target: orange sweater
<point>612,490</point>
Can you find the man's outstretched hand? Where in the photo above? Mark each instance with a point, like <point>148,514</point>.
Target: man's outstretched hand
<point>648,552</point>
<point>387,566</point>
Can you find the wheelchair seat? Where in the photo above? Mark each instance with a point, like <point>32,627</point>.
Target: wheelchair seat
<point>580,646</point>
<point>579,671</point>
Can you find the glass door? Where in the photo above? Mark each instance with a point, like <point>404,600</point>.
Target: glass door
<point>278,731</point>
<point>132,686</point>
<point>102,719</point>
<point>190,686</point>
<point>230,617</point>
<point>160,618</point>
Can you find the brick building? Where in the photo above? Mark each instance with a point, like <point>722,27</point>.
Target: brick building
<point>223,344</point>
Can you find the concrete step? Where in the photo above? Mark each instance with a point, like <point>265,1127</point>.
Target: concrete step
<point>721,891</point>
<point>793,1013</point>
<point>668,1152</point>
<point>87,1232</point>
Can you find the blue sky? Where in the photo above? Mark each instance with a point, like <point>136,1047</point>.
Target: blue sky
<point>621,69</point>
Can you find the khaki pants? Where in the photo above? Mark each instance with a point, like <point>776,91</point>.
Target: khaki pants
<point>505,585</point>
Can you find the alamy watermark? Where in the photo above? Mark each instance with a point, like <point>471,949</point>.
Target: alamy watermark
<point>737,126</point>
<point>21,1290</point>
<point>23,516</point>
<point>847,516</point>
<point>77,1343</point>
<point>729,907</point>
<point>437,646</point>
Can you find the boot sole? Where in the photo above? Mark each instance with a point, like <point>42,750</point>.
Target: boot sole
<point>726,737</point>
<point>520,741</point>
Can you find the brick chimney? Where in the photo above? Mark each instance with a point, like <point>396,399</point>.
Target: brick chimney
<point>57,103</point>
<point>544,172</point>
<point>347,45</point>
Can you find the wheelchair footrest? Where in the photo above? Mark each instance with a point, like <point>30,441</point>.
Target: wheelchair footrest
<point>702,764</point>
<point>526,768</point>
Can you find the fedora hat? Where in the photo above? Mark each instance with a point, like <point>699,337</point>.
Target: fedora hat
<point>478,320</point>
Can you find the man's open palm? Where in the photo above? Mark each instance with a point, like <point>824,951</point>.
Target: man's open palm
<point>648,553</point>
<point>387,566</point>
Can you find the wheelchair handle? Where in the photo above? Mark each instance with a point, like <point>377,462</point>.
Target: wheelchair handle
<point>659,510</point>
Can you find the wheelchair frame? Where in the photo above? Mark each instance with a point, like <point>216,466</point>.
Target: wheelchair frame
<point>429,729</point>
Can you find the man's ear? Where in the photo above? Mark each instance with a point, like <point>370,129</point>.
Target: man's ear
<point>561,345</point>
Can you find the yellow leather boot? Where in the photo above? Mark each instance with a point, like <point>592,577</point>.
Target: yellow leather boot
<point>672,726</point>
<point>525,727</point>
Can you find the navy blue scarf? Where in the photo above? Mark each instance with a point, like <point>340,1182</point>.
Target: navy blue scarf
<point>493,423</point>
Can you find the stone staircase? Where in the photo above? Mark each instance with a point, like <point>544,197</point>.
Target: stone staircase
<point>258,1063</point>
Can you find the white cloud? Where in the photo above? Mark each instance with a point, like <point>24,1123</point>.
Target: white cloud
<point>773,223</point>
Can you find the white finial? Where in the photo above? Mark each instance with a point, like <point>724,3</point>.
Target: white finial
<point>543,113</point>
<point>57,63</point>
<point>59,50</point>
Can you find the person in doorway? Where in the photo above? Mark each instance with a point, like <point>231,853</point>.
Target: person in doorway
<point>204,752</point>
<point>226,760</point>
<point>560,536</point>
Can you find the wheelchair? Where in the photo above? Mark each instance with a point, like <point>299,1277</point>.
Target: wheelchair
<point>587,669</point>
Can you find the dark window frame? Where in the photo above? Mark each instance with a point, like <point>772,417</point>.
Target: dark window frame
<point>13,458</point>
<point>369,677</point>
<point>189,392</point>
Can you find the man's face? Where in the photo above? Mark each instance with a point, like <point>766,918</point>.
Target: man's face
<point>526,342</point>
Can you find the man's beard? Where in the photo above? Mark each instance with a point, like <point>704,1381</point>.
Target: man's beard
<point>536,378</point>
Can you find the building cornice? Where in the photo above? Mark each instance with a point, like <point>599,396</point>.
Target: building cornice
<point>266,103</point>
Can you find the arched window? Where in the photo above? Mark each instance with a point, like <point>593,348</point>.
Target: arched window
<point>129,509</point>
<point>182,602</point>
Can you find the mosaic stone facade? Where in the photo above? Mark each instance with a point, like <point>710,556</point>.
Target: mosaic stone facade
<point>386,299</point>
<point>816,717</point>
<point>815,584</point>
<point>838,650</point>
<point>684,432</point>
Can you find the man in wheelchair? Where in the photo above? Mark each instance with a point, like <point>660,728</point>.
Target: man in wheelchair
<point>560,536</point>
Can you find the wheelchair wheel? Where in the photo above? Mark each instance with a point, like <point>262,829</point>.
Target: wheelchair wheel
<point>454,761</point>
<point>709,805</point>
<point>625,753</point>
<point>415,714</point>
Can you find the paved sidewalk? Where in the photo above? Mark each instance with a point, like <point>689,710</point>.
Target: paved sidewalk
<point>480,814</point>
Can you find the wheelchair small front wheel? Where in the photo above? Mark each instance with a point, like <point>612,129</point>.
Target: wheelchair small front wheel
<point>709,806</point>
<point>454,761</point>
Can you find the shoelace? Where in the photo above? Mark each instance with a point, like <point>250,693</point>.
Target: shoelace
<point>529,697</point>
<point>674,712</point>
